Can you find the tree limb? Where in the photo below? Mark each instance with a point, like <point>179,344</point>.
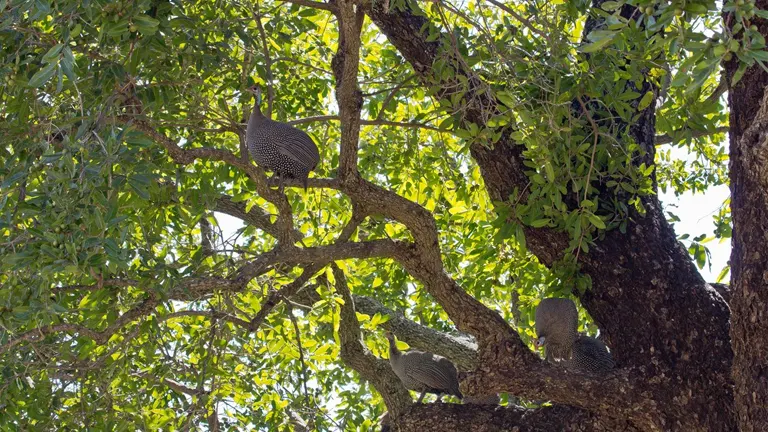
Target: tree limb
<point>356,355</point>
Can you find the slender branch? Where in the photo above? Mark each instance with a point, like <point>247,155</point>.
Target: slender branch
<point>255,216</point>
<point>520,18</point>
<point>305,64</point>
<point>667,139</point>
<point>100,337</point>
<point>721,88</point>
<point>104,283</point>
<point>391,96</point>
<point>317,5</point>
<point>375,122</point>
<point>180,388</point>
<point>303,363</point>
<point>267,61</point>
<point>274,297</point>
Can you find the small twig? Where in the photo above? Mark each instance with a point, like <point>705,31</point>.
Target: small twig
<point>331,7</point>
<point>267,61</point>
<point>667,139</point>
<point>375,122</point>
<point>596,133</point>
<point>391,95</point>
<point>520,18</point>
<point>301,350</point>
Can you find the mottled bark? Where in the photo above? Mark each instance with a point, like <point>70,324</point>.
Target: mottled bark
<point>474,418</point>
<point>748,102</point>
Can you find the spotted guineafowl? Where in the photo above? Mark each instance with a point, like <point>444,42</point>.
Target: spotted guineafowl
<point>278,147</point>
<point>590,355</point>
<point>423,371</point>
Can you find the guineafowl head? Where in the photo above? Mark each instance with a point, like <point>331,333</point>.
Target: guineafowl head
<point>540,341</point>
<point>256,90</point>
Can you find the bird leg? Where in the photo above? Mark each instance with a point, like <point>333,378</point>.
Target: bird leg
<point>439,398</point>
<point>280,186</point>
<point>421,396</point>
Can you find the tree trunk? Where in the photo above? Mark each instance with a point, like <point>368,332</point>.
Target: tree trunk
<point>749,257</point>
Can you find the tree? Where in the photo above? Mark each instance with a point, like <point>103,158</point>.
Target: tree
<point>474,159</point>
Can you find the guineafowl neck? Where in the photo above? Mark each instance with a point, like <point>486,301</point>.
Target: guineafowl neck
<point>393,351</point>
<point>256,114</point>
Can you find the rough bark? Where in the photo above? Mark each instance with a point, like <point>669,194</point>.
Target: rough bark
<point>454,417</point>
<point>748,102</point>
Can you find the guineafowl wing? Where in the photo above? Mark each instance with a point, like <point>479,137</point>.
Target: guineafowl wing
<point>298,146</point>
<point>432,372</point>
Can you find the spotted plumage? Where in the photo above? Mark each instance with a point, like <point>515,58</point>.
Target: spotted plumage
<point>590,355</point>
<point>278,147</point>
<point>424,372</point>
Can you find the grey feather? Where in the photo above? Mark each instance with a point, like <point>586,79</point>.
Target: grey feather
<point>590,355</point>
<point>278,147</point>
<point>557,322</point>
<point>424,371</point>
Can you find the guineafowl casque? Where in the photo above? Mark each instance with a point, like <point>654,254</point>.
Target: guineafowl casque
<point>557,323</point>
<point>423,371</point>
<point>278,147</point>
<point>590,355</point>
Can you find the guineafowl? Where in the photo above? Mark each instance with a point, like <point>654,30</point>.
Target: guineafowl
<point>590,355</point>
<point>557,323</point>
<point>278,147</point>
<point>423,371</point>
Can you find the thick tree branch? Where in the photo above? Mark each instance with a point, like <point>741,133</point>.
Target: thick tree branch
<point>477,418</point>
<point>345,66</point>
<point>462,351</point>
<point>357,356</point>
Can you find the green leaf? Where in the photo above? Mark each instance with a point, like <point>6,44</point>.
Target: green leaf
<point>540,223</point>
<point>43,75</point>
<point>724,273</point>
<point>53,53</point>
<point>645,102</point>
<point>146,25</point>
<point>596,46</point>
<point>611,5</point>
<point>596,221</point>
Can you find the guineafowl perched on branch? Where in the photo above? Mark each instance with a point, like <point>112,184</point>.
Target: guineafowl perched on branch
<point>278,147</point>
<point>423,371</point>
<point>590,355</point>
<point>557,323</point>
